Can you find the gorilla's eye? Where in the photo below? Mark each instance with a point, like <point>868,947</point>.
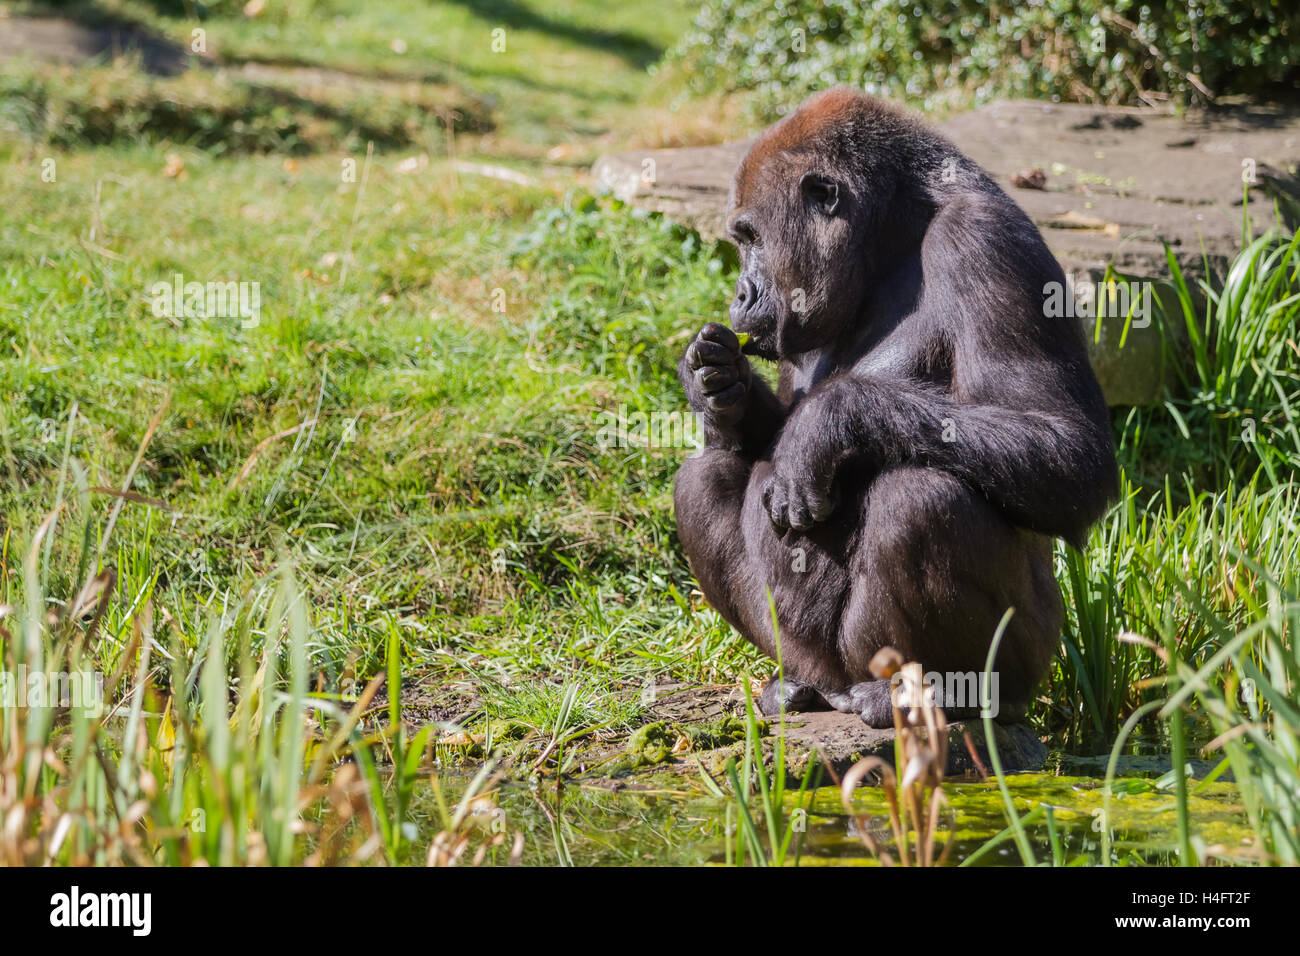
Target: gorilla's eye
<point>743,232</point>
<point>821,191</point>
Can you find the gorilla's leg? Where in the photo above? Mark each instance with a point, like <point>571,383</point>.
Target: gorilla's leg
<point>933,571</point>
<point>708,498</point>
<point>737,557</point>
<point>920,562</point>
<point>740,416</point>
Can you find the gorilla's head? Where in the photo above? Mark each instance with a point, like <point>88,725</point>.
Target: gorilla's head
<point>824,201</point>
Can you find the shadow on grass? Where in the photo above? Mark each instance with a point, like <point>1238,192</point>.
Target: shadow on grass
<point>635,50</point>
<point>78,32</point>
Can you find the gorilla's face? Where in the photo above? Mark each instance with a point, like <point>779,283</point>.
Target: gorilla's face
<point>803,275</point>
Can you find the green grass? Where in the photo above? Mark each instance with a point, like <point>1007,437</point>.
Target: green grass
<point>571,70</point>
<point>1209,490</point>
<point>227,111</point>
<point>449,475</point>
<point>445,483</point>
<point>448,485</point>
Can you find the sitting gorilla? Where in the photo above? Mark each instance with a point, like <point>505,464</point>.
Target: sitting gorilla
<point>932,429</point>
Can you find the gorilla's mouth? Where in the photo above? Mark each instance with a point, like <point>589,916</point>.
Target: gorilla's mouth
<point>762,341</point>
<point>761,329</point>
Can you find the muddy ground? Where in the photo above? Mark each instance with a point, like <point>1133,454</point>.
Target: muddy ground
<point>689,730</point>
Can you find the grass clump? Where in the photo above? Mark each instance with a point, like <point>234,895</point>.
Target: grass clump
<point>657,741</point>
<point>1208,494</point>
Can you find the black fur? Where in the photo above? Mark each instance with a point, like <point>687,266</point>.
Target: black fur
<point>932,428</point>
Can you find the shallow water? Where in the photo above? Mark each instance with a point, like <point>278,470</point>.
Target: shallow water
<point>590,825</point>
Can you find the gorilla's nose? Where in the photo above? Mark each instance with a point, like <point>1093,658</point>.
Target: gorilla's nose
<point>745,300</point>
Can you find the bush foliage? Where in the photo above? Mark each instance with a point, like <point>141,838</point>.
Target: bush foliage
<point>956,51</point>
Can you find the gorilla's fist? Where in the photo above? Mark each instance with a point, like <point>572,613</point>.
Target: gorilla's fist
<point>716,377</point>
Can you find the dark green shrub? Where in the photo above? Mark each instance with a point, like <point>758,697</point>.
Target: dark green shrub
<point>958,51</point>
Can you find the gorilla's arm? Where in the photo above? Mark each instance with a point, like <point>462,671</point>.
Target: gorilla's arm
<point>1049,471</point>
<point>1024,422</point>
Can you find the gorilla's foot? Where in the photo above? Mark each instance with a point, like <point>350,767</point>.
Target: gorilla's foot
<point>870,700</point>
<point>790,696</point>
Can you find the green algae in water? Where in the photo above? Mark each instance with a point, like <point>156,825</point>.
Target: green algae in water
<point>653,743</point>
<point>666,819</point>
<point>495,735</point>
<point>726,730</point>
<point>1143,817</point>
<point>649,745</point>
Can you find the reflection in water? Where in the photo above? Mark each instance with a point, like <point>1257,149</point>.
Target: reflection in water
<point>594,826</point>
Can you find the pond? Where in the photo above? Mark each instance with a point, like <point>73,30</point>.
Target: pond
<point>680,824</point>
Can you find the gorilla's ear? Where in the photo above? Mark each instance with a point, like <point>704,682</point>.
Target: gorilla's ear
<point>822,191</point>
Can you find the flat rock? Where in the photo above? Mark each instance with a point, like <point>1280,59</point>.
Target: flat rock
<point>1120,183</point>
<point>838,739</point>
<point>843,740</point>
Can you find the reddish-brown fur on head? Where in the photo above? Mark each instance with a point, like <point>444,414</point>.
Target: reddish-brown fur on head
<point>798,132</point>
<point>826,125</point>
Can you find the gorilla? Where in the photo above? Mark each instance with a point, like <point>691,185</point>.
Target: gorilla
<point>932,429</point>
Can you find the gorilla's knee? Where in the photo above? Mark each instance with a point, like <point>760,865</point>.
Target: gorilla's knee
<point>921,518</point>
<point>908,498</point>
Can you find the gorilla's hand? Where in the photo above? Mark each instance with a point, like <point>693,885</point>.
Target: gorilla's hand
<point>800,491</point>
<point>716,378</point>
<point>795,495</point>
